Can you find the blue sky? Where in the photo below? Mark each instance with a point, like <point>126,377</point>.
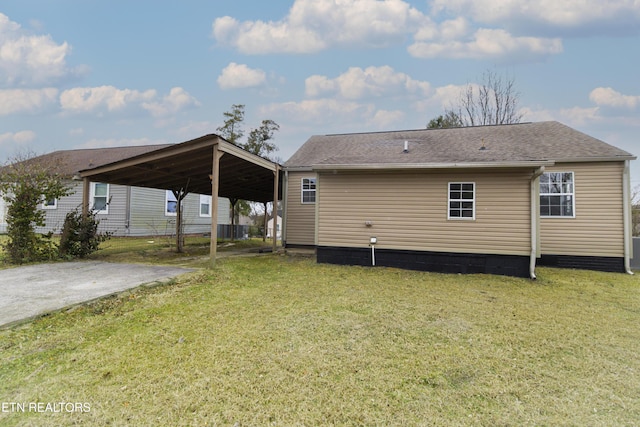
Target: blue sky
<point>92,73</point>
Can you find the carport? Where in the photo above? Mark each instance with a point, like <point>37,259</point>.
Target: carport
<point>206,165</point>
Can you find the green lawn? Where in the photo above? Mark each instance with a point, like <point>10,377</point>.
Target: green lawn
<point>159,250</point>
<point>279,340</point>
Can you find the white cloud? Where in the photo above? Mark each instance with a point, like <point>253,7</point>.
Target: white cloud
<point>101,99</point>
<point>20,138</point>
<point>572,116</point>
<point>606,96</point>
<point>315,25</point>
<point>14,101</point>
<point>607,16</point>
<point>358,83</point>
<point>109,99</point>
<point>334,114</point>
<point>383,119</point>
<point>27,59</point>
<point>114,142</point>
<point>317,110</point>
<point>486,44</point>
<point>237,76</point>
<point>177,100</point>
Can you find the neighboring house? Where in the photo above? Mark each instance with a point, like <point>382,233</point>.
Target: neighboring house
<point>491,199</point>
<point>123,210</point>
<point>278,228</point>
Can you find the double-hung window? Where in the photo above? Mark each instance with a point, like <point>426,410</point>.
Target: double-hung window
<point>557,195</point>
<point>462,200</point>
<point>170,204</point>
<point>100,197</point>
<point>308,190</point>
<point>205,205</point>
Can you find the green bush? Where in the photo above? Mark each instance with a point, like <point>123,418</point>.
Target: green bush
<point>80,236</point>
<point>24,184</point>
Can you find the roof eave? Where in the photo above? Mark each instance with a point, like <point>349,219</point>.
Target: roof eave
<point>413,166</point>
<point>596,159</point>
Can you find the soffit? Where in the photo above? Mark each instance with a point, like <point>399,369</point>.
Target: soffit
<point>189,166</point>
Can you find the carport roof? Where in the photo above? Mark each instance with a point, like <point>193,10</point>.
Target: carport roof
<point>188,166</point>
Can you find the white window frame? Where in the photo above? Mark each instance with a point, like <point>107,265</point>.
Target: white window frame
<point>205,200</point>
<point>561,192</point>
<point>308,190</point>
<point>461,200</point>
<point>170,197</point>
<point>93,196</point>
<point>46,206</point>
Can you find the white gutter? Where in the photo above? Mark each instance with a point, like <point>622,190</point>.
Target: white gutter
<point>626,215</point>
<point>535,220</point>
<point>461,165</point>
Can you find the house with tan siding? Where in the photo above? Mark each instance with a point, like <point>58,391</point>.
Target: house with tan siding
<point>490,199</point>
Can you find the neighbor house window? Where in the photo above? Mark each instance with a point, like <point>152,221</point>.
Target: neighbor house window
<point>170,204</point>
<point>557,197</point>
<point>100,197</point>
<point>308,190</point>
<point>462,198</point>
<point>50,204</point>
<point>205,205</point>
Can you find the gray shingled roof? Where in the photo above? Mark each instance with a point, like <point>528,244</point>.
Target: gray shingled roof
<point>525,142</point>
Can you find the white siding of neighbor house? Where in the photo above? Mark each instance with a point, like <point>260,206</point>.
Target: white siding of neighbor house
<point>148,214</point>
<point>409,211</point>
<point>114,221</point>
<point>597,229</point>
<point>133,211</point>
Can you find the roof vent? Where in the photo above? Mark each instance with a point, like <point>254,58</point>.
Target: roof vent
<point>406,147</point>
<point>484,147</point>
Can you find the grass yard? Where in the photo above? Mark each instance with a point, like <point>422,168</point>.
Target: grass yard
<point>159,250</point>
<point>279,340</point>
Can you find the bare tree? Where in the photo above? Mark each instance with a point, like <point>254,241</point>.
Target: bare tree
<point>492,102</point>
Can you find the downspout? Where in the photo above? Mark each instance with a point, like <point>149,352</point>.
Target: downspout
<point>626,215</point>
<point>535,220</point>
<point>285,197</point>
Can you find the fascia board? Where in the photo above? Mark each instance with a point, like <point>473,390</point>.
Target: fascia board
<point>413,166</point>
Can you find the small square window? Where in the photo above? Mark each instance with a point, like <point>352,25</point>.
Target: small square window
<point>50,204</point>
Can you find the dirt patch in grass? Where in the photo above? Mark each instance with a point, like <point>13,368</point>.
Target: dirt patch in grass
<point>284,341</point>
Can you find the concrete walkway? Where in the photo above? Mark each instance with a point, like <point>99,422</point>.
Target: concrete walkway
<point>31,291</point>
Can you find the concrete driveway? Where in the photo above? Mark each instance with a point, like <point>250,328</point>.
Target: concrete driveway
<point>27,292</point>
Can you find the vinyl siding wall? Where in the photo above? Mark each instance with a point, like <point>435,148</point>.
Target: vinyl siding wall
<point>409,211</point>
<point>597,229</point>
<point>114,221</point>
<point>146,218</point>
<point>300,221</point>
<point>148,214</point>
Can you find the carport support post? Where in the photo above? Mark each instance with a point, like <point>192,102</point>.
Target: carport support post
<point>276,183</point>
<point>86,184</point>
<point>215,177</point>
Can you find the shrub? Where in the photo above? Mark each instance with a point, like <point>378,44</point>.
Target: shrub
<point>80,236</point>
<point>24,184</point>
